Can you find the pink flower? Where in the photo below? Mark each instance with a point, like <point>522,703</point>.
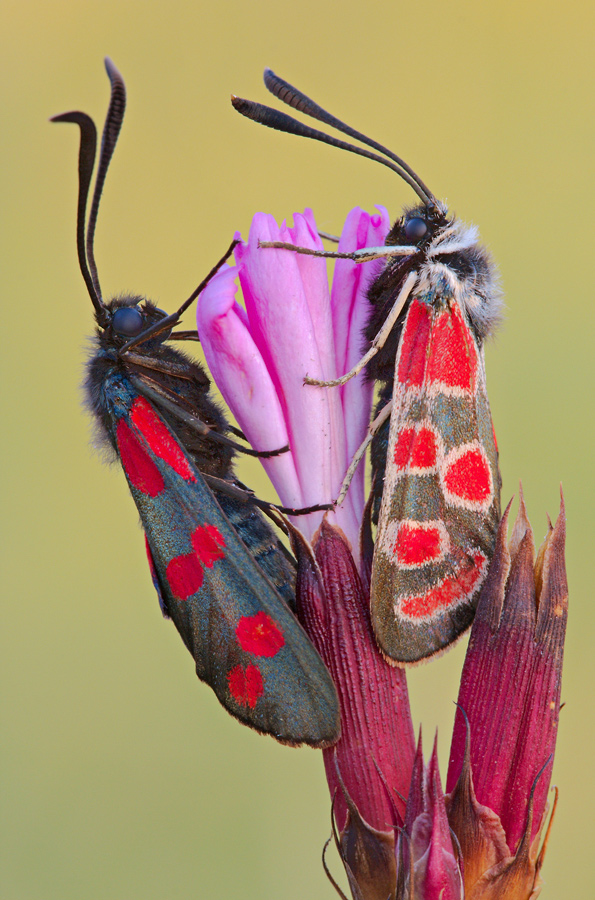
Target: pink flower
<point>400,837</point>
<point>292,327</point>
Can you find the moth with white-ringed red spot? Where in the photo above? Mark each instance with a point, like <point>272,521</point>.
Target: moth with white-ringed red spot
<point>220,571</point>
<point>435,478</point>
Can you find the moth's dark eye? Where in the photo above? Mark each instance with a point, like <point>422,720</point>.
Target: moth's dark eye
<point>127,321</point>
<point>415,230</point>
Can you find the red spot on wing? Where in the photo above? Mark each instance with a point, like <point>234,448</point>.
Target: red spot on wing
<point>414,345</point>
<point>403,447</point>
<point>259,634</point>
<point>208,543</point>
<point>452,361</point>
<point>184,575</point>
<point>449,592</point>
<point>416,449</point>
<point>468,476</point>
<point>417,545</point>
<point>424,449</point>
<point>138,465</point>
<point>159,438</point>
<point>245,685</point>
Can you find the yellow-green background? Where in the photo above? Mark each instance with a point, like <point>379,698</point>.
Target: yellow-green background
<point>122,777</point>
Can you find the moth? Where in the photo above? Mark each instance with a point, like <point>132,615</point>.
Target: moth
<point>435,479</point>
<point>219,569</point>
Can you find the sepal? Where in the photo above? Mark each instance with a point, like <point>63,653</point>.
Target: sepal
<point>506,725</point>
<point>376,749</point>
<point>367,854</point>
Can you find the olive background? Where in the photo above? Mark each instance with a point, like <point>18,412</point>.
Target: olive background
<point>122,777</point>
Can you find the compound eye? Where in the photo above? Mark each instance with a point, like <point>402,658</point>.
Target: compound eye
<point>127,321</point>
<point>415,229</point>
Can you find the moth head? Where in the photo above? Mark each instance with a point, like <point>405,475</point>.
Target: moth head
<point>418,226</point>
<point>130,315</point>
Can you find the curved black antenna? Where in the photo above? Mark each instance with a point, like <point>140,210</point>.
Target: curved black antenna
<point>87,152</point>
<point>111,130</point>
<point>272,118</point>
<point>290,95</point>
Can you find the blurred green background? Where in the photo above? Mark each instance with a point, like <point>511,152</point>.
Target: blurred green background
<point>122,777</point>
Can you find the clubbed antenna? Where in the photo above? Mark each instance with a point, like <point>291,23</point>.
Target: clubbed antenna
<point>111,130</point>
<point>272,118</point>
<point>85,236</point>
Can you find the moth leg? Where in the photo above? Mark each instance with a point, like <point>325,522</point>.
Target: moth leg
<point>244,493</point>
<point>382,416</point>
<point>170,368</point>
<point>366,254</point>
<point>171,402</point>
<point>156,365</point>
<point>184,336</point>
<point>329,237</point>
<point>173,319</point>
<point>237,431</point>
<point>380,338</point>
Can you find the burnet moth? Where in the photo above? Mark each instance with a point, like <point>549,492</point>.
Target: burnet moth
<point>220,571</point>
<point>435,479</point>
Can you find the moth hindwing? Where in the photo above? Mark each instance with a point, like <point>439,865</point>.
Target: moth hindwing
<point>435,477</point>
<point>220,571</point>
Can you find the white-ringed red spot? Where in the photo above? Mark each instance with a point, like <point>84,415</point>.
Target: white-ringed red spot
<point>452,362</point>
<point>410,544</point>
<point>411,363</point>
<point>450,592</point>
<point>417,449</point>
<point>416,544</point>
<point>466,478</point>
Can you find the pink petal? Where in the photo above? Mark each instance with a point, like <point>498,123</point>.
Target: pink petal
<point>351,311</point>
<point>287,303</point>
<point>242,377</point>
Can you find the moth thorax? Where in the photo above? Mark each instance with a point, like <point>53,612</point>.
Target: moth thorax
<point>457,266</point>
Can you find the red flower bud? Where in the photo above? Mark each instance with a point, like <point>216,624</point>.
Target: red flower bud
<point>376,747</point>
<point>509,703</point>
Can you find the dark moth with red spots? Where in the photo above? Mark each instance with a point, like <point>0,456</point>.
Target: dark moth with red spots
<point>220,571</point>
<point>435,480</point>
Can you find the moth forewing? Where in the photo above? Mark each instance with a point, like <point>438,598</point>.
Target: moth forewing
<point>246,643</point>
<point>441,498</point>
